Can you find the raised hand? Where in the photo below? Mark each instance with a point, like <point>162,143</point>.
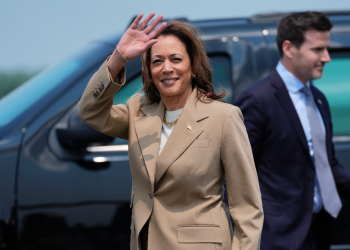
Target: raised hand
<point>136,40</point>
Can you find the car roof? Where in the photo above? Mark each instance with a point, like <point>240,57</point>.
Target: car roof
<point>255,23</point>
<point>271,17</point>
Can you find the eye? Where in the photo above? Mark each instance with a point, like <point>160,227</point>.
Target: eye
<point>176,59</point>
<point>156,61</point>
<point>319,49</point>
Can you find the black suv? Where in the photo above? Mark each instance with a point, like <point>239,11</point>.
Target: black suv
<point>66,186</point>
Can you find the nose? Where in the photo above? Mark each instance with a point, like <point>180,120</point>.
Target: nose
<point>167,67</point>
<point>326,57</point>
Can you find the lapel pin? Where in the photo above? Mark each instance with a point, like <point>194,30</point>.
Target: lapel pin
<point>189,127</point>
<point>319,101</point>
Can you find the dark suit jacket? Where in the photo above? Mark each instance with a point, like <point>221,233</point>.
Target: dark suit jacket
<point>285,169</point>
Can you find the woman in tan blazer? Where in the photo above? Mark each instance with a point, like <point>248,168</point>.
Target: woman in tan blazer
<point>183,143</point>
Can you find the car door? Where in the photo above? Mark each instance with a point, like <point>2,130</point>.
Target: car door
<point>68,196</point>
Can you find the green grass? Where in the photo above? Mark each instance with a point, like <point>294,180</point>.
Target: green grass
<point>9,80</point>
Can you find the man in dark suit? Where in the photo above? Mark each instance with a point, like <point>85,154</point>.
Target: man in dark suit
<point>289,126</point>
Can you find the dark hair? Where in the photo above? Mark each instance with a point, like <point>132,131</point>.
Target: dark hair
<point>293,27</point>
<point>190,37</point>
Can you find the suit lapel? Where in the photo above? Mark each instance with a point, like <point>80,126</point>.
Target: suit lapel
<point>185,132</point>
<point>288,107</point>
<point>148,130</point>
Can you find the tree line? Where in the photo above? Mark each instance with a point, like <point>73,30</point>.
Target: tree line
<point>9,80</point>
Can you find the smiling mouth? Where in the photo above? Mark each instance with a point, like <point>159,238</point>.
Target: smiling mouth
<point>169,81</point>
<point>320,68</point>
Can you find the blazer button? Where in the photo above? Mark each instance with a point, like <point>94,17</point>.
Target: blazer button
<point>309,208</point>
<point>150,195</point>
<point>311,177</point>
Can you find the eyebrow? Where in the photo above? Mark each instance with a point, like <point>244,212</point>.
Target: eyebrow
<point>320,47</point>
<point>170,55</point>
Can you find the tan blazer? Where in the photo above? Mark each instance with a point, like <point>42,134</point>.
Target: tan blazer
<point>181,191</point>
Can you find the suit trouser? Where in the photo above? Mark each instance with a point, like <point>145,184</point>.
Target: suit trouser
<point>318,237</point>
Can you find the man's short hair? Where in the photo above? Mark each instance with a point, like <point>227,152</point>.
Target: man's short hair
<point>293,27</point>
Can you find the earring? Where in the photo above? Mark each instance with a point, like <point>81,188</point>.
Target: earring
<point>193,76</point>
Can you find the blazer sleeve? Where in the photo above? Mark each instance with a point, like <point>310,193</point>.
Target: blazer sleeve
<point>96,105</point>
<point>341,175</point>
<point>254,121</point>
<point>243,190</point>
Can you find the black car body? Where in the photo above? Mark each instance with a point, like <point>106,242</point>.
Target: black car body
<point>66,186</point>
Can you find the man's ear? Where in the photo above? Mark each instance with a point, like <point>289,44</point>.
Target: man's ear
<point>288,48</point>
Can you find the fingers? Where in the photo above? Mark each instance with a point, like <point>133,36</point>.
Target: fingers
<point>156,32</point>
<point>149,44</point>
<point>135,24</point>
<point>154,24</point>
<point>147,19</point>
<point>136,21</point>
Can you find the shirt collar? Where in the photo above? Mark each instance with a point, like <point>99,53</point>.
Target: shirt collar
<point>292,83</point>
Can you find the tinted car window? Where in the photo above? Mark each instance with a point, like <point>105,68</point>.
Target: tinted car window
<point>131,88</point>
<point>31,98</point>
<point>221,75</point>
<point>335,84</point>
<point>27,94</point>
<point>121,97</point>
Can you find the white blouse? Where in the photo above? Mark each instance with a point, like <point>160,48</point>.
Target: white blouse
<point>166,130</point>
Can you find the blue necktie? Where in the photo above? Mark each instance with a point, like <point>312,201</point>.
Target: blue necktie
<point>331,201</point>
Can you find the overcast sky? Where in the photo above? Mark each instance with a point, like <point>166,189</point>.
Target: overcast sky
<point>37,33</point>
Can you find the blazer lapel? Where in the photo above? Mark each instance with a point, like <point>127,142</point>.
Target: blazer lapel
<point>288,107</point>
<point>185,132</point>
<point>148,130</point>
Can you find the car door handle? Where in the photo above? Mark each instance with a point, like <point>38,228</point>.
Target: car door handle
<point>100,158</point>
<point>341,138</point>
<point>341,142</point>
<point>108,149</point>
<point>100,154</point>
